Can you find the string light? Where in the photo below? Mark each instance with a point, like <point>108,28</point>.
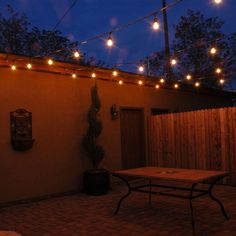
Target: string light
<point>197,84</point>
<point>13,67</point>
<point>162,81</point>
<point>76,54</point>
<point>173,62</point>
<point>114,73</point>
<point>176,86</point>
<point>73,76</point>
<point>50,62</point>
<point>93,75</point>
<point>140,82</point>
<point>157,86</point>
<point>141,68</point>
<point>155,24</point>
<point>188,77</point>
<point>29,66</point>
<point>109,41</point>
<point>218,70</point>
<point>120,82</point>
<point>222,81</point>
<point>213,51</point>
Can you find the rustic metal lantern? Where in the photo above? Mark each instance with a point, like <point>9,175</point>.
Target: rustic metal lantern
<point>21,130</point>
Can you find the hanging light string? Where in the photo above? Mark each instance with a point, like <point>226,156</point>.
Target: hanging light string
<point>64,15</point>
<point>130,23</point>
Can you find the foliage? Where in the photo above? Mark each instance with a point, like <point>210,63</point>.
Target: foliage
<point>94,151</point>
<point>17,37</point>
<point>194,36</point>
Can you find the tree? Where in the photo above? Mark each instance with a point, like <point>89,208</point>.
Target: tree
<point>194,36</point>
<point>17,37</point>
<point>94,151</point>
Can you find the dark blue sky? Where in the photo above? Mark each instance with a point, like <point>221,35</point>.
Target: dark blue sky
<point>91,17</point>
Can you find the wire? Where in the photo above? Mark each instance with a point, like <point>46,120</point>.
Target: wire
<point>64,15</point>
<point>133,22</point>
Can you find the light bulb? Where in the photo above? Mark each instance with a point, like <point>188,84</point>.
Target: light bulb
<point>188,77</point>
<point>176,86</point>
<point>197,84</point>
<point>162,80</point>
<point>213,51</point>
<point>93,75</point>
<point>120,82</point>
<point>50,62</point>
<point>217,1</point>
<point>218,70</point>
<point>173,62</point>
<point>141,68</point>
<point>29,66</point>
<point>140,82</point>
<point>74,76</point>
<point>222,81</point>
<point>76,54</point>
<point>155,24</point>
<point>114,73</point>
<point>109,41</point>
<point>157,86</point>
<point>13,67</point>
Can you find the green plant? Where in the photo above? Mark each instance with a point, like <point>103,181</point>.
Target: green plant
<point>94,151</point>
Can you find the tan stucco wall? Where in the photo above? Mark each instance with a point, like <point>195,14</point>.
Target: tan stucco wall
<point>59,106</point>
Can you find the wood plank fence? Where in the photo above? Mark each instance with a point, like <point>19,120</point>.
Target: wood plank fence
<point>204,139</point>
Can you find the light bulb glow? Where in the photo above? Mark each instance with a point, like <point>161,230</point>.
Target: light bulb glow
<point>29,66</point>
<point>176,86</point>
<point>76,54</point>
<point>218,70</point>
<point>162,80</point>
<point>93,75</point>
<point>114,73</point>
<point>213,51</point>
<point>173,62</point>
<point>141,68</point>
<point>157,86</point>
<point>13,67</point>
<point>188,77</point>
<point>73,76</point>
<point>50,62</point>
<point>197,84</point>
<point>155,24</point>
<point>217,1</point>
<point>109,41</point>
<point>120,82</point>
<point>140,82</point>
<point>222,81</point>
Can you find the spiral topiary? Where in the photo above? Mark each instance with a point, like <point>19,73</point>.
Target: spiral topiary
<point>94,151</point>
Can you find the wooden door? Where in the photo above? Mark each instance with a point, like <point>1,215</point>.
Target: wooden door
<point>132,138</point>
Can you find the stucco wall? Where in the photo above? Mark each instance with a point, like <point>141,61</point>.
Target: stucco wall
<point>59,106</point>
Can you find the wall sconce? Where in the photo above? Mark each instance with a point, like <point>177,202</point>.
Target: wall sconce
<point>114,112</point>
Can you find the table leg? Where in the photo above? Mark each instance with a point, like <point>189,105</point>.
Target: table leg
<point>191,208</point>
<point>150,192</point>
<point>125,196</point>
<point>216,199</point>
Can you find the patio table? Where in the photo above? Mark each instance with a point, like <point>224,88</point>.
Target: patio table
<point>193,177</point>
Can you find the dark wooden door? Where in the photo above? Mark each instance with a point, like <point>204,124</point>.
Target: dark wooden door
<point>132,138</point>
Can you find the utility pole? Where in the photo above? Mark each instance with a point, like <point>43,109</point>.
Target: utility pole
<point>168,69</point>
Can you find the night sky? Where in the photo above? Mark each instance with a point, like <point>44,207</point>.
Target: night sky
<point>91,17</point>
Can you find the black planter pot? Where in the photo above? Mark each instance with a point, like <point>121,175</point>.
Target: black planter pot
<point>96,181</point>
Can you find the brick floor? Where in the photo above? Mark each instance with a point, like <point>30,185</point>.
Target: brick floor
<point>79,215</point>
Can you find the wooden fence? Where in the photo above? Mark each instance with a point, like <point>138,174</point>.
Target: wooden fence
<point>204,139</point>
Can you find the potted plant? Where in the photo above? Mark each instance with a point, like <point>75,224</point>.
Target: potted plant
<point>97,180</point>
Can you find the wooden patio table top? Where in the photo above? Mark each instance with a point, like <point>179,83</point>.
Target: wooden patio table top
<point>173,174</point>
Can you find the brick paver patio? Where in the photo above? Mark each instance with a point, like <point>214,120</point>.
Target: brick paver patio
<point>77,215</point>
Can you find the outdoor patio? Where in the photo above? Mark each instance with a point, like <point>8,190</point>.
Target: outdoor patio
<point>88,215</point>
